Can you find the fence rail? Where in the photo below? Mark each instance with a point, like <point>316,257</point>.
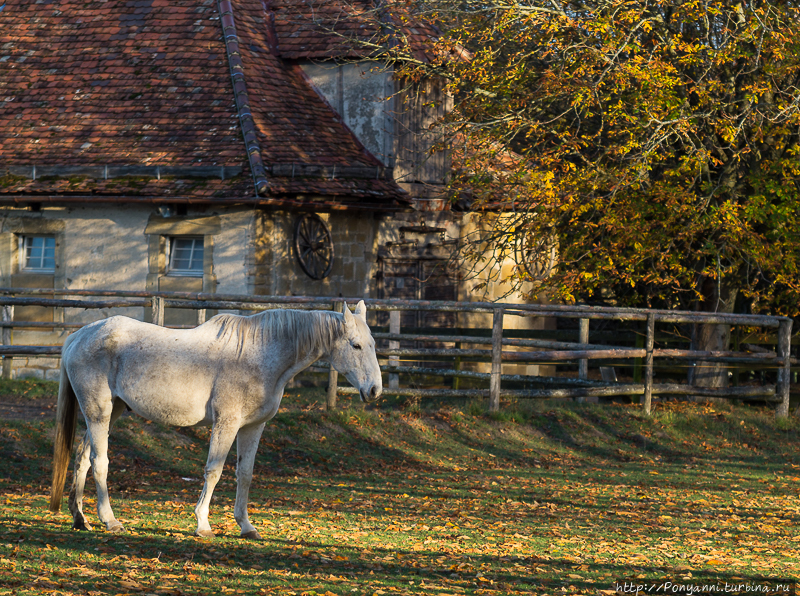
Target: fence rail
<point>496,338</point>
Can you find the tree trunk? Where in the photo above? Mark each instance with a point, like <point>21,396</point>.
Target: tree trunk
<point>717,298</point>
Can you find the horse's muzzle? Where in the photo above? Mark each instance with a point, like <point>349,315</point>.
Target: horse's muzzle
<point>371,395</point>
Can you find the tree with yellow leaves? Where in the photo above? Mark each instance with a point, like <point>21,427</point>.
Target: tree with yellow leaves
<point>654,143</point>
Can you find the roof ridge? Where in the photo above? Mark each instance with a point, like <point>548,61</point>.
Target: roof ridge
<point>241,96</point>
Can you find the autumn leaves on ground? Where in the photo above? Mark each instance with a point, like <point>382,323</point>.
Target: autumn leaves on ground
<point>542,499</point>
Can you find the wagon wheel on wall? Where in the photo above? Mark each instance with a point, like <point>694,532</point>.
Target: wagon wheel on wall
<point>536,254</point>
<point>313,246</point>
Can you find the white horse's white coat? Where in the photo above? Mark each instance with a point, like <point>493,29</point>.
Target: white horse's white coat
<point>228,373</point>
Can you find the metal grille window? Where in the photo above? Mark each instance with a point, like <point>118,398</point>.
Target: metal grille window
<point>186,256</point>
<point>39,254</point>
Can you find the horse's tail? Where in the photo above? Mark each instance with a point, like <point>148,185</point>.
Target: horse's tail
<point>66,418</point>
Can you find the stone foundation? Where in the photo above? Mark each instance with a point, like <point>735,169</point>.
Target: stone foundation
<point>32,367</point>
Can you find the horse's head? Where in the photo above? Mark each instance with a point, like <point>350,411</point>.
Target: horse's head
<point>353,354</point>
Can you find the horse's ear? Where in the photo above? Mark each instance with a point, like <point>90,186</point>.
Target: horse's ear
<point>361,310</point>
<point>349,320</point>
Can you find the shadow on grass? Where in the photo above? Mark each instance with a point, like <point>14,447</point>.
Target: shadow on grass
<point>218,561</point>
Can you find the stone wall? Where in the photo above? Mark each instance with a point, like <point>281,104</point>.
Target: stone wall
<point>431,236</point>
<point>121,247</point>
<point>37,368</point>
<point>274,269</point>
<point>363,94</point>
<point>497,284</point>
<point>247,251</point>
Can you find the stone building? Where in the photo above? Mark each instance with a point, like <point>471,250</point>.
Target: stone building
<point>226,146</point>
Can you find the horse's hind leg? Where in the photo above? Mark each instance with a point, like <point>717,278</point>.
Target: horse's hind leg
<point>82,463</point>
<point>99,413</point>
<point>78,483</point>
<point>246,445</point>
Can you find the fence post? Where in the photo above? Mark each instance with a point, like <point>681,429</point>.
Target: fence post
<point>647,398</point>
<point>394,327</point>
<point>333,376</point>
<point>457,366</point>
<point>785,371</point>
<point>201,316</point>
<point>158,311</point>
<point>583,338</point>
<point>637,362</point>
<point>8,339</point>
<point>497,360</point>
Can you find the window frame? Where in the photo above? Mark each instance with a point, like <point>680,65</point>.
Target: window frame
<point>198,243</point>
<point>23,247</point>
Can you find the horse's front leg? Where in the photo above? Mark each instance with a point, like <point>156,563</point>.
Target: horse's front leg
<point>246,446</point>
<point>222,435</point>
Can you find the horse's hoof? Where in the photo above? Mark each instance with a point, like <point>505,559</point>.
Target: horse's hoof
<point>116,528</point>
<point>81,526</point>
<point>204,533</point>
<point>251,535</point>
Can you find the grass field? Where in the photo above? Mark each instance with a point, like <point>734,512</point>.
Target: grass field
<point>541,499</point>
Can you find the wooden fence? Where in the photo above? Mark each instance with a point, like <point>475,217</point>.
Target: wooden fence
<point>486,347</point>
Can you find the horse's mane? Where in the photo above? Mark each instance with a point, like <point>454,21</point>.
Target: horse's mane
<point>311,331</point>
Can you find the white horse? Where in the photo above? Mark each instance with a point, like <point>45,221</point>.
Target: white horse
<point>229,373</point>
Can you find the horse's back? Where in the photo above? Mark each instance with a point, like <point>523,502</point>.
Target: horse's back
<point>162,374</point>
<point>101,340</point>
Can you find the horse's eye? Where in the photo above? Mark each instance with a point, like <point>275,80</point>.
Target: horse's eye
<point>356,346</point>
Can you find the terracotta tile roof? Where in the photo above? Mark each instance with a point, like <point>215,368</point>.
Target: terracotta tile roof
<point>293,124</point>
<point>119,82</point>
<point>148,82</point>
<point>330,193</point>
<point>321,29</point>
